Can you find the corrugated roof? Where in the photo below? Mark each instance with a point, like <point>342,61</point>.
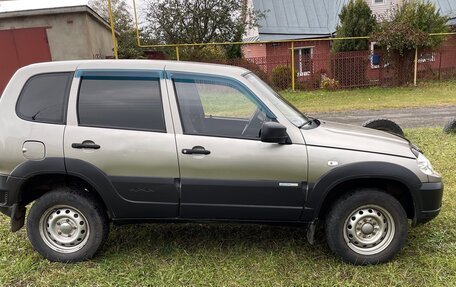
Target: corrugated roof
<point>448,8</point>
<point>290,19</point>
<point>299,19</point>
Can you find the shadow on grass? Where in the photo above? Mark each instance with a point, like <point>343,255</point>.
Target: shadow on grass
<point>213,238</point>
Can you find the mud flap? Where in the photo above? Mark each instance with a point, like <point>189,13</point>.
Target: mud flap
<point>17,217</point>
<point>311,232</point>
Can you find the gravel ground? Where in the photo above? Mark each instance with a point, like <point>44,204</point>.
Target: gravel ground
<point>405,118</point>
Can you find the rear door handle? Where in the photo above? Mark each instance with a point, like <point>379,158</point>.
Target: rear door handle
<point>196,150</point>
<point>86,145</point>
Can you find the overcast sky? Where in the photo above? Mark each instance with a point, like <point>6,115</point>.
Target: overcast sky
<point>19,5</point>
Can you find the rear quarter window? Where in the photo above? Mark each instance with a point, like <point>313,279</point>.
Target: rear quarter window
<point>44,98</point>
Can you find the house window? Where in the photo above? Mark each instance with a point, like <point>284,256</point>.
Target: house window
<point>426,57</point>
<point>378,1</point>
<point>376,57</point>
<point>303,61</point>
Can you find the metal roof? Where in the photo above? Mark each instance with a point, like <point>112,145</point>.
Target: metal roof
<point>300,19</point>
<point>294,19</point>
<point>448,8</point>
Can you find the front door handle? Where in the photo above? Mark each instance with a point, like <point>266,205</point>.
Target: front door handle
<point>196,150</point>
<point>86,145</point>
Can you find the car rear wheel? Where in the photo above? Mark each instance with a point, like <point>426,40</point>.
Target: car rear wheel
<point>366,227</point>
<point>67,225</point>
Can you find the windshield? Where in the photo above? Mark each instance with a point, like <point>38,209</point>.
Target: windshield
<point>288,110</point>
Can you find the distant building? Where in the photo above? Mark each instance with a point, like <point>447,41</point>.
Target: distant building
<point>446,7</point>
<point>309,19</point>
<point>43,34</point>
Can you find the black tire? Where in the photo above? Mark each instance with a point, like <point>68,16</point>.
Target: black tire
<point>450,126</point>
<point>339,229</point>
<point>384,125</point>
<point>85,210</point>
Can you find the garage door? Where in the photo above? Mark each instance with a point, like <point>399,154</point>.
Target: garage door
<point>21,47</point>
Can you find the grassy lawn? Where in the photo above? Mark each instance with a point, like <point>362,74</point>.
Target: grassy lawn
<point>376,98</point>
<point>243,255</point>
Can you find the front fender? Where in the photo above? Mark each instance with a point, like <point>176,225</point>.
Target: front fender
<point>319,191</point>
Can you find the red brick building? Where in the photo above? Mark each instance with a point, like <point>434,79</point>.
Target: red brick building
<point>311,19</point>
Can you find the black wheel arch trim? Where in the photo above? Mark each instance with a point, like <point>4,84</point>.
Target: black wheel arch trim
<point>97,179</point>
<point>319,191</point>
<point>29,169</point>
<point>55,165</point>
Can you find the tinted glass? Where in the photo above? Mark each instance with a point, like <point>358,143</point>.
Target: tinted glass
<point>121,103</point>
<point>44,98</point>
<point>218,107</point>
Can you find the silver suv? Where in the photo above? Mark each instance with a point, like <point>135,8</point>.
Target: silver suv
<point>94,142</point>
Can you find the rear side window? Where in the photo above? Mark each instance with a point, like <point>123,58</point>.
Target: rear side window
<point>121,102</point>
<point>44,98</point>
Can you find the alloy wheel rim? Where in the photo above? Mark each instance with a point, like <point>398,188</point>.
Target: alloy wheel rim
<point>369,229</point>
<point>64,229</point>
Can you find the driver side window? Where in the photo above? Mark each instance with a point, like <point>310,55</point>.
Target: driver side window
<point>215,106</point>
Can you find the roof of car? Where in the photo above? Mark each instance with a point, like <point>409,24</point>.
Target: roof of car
<point>183,66</point>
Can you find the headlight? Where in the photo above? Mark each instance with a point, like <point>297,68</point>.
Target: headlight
<point>425,165</point>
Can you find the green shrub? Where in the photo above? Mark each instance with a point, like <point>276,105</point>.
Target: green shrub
<point>281,77</point>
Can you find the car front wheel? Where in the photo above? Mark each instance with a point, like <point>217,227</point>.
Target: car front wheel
<point>366,227</point>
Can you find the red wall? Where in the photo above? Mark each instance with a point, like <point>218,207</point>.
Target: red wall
<point>254,50</point>
<point>270,55</point>
<point>21,47</point>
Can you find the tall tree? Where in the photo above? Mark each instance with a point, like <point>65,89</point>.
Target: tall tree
<point>407,28</point>
<point>200,21</point>
<point>124,25</point>
<point>356,20</point>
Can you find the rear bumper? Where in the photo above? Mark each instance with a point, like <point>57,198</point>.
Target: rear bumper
<point>6,210</point>
<point>430,202</point>
<point>4,196</point>
<point>9,206</point>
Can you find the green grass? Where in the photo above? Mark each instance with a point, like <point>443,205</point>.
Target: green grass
<point>230,104</point>
<point>376,98</point>
<point>246,255</point>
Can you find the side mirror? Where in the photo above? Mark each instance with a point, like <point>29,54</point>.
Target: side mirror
<point>272,132</point>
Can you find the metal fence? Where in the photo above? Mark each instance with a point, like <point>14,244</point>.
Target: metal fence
<point>310,63</point>
<point>320,68</point>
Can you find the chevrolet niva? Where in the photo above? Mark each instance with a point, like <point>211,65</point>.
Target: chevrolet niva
<point>131,141</point>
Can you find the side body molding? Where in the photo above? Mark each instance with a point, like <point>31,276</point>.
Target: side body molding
<point>363,170</point>
<point>96,178</point>
<point>118,206</point>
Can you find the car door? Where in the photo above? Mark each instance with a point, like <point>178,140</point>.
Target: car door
<point>226,171</point>
<point>118,124</point>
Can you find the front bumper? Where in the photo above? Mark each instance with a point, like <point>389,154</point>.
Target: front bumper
<point>430,202</point>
